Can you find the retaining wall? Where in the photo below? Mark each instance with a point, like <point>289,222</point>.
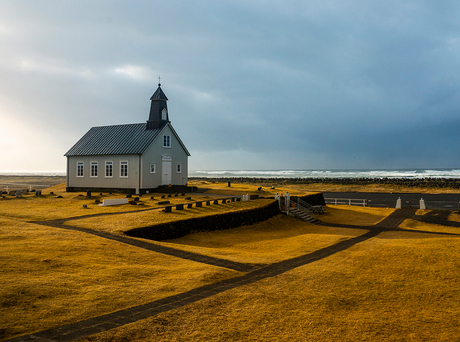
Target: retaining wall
<point>174,230</point>
<point>313,199</point>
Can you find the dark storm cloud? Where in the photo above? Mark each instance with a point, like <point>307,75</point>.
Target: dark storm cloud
<point>319,84</point>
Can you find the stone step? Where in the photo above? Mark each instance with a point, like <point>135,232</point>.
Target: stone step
<point>304,216</point>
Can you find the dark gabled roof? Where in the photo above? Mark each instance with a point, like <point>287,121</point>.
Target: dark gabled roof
<point>159,95</point>
<point>118,139</point>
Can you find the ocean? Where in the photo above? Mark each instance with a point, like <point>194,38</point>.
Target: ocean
<point>325,173</point>
<point>345,173</point>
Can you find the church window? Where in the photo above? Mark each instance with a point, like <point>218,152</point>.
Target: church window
<point>94,169</point>
<point>80,166</point>
<point>109,169</point>
<point>167,141</point>
<point>124,169</point>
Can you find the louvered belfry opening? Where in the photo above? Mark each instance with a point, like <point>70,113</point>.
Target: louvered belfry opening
<point>158,110</point>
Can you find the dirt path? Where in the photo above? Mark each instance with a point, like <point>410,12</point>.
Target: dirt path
<point>255,273</point>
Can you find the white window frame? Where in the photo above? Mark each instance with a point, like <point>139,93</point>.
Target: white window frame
<point>82,165</point>
<point>153,168</point>
<point>167,141</point>
<point>164,114</point>
<point>179,168</point>
<point>107,175</point>
<point>93,169</point>
<point>123,165</point>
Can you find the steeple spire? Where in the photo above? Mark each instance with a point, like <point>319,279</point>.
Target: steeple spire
<point>158,109</point>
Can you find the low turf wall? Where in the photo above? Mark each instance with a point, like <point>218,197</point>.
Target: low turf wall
<point>177,229</point>
<point>313,199</point>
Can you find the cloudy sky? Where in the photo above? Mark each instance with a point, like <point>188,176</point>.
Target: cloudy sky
<point>251,84</point>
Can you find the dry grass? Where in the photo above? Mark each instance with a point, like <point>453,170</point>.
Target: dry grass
<point>322,187</point>
<point>52,277</point>
<point>429,227</point>
<point>396,287</point>
<point>122,222</point>
<point>353,215</point>
<point>247,188</point>
<point>454,216</point>
<point>33,208</point>
<point>276,239</point>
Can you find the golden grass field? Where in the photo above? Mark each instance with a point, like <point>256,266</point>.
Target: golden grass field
<point>397,286</point>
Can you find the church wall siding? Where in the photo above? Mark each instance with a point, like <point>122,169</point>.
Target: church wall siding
<point>101,181</point>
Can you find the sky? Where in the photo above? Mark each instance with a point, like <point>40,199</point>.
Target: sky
<point>252,85</point>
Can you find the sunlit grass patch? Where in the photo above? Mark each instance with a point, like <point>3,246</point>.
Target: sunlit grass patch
<point>275,239</point>
<point>384,188</point>
<point>454,216</point>
<point>248,188</point>
<point>390,288</point>
<point>37,208</point>
<point>354,215</point>
<point>123,222</point>
<point>51,277</point>
<point>429,227</point>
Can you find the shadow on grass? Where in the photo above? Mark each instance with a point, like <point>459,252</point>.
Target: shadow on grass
<point>277,228</point>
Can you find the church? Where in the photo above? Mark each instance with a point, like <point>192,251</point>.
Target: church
<point>132,158</point>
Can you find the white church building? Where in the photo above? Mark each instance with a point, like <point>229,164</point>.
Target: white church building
<point>132,158</point>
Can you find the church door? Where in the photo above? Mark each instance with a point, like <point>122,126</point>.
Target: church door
<point>166,170</point>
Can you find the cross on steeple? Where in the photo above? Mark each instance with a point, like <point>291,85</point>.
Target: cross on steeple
<point>159,81</point>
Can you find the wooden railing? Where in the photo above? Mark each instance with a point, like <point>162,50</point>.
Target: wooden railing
<point>346,201</point>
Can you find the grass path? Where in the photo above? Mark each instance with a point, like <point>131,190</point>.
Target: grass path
<point>116,319</point>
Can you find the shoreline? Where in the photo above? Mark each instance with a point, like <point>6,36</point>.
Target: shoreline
<point>385,185</point>
<point>410,182</point>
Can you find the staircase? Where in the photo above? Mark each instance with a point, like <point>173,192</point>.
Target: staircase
<point>301,210</point>
<point>303,215</point>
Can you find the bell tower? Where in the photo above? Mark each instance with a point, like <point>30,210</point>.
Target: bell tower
<point>158,110</point>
